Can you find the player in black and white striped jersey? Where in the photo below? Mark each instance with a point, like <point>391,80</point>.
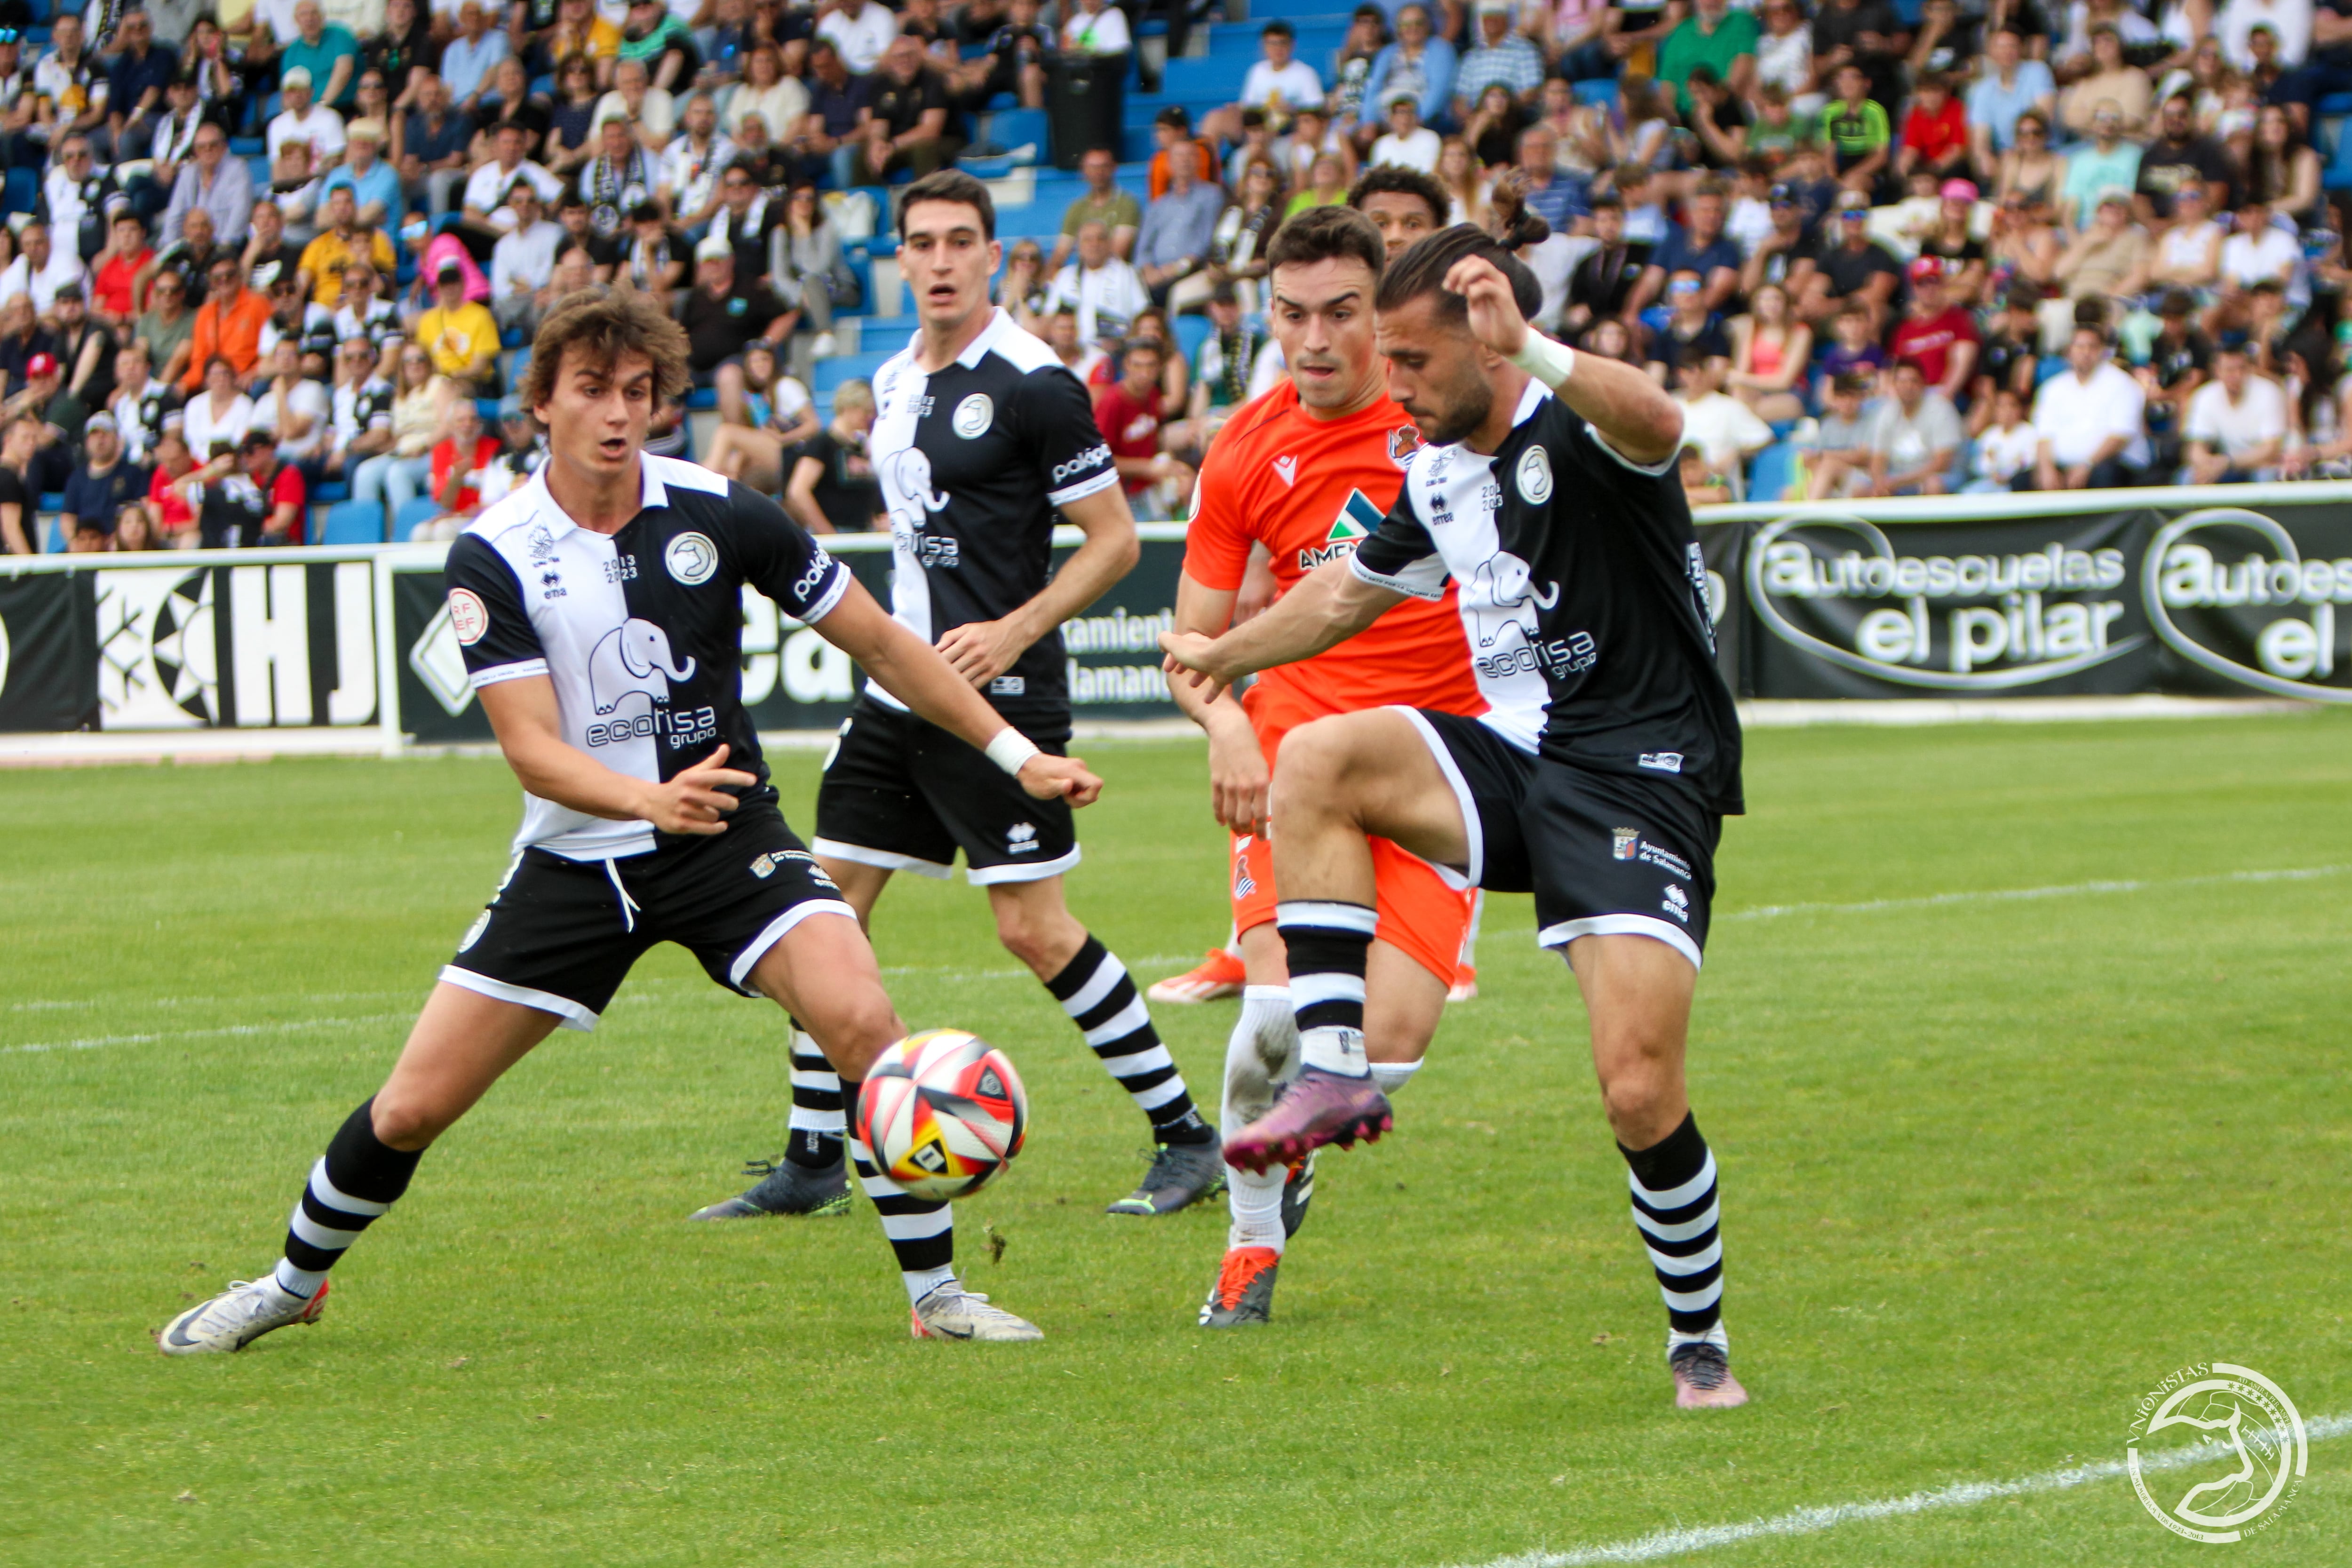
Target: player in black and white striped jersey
<point>599,610</point>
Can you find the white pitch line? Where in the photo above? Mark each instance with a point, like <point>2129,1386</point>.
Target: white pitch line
<point>292,1027</point>
<point>2023,895</point>
<point>1812,1521</point>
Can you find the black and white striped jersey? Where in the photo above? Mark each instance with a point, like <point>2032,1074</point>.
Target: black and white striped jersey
<point>641,631</point>
<point>1583,595</point>
<point>972,461</point>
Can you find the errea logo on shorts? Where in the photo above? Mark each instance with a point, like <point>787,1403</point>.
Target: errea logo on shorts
<point>1020,838</point>
<point>1082,462</point>
<point>1676,902</point>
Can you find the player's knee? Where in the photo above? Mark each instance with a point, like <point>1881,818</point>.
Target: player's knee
<point>1315,763</point>
<point>855,1029</point>
<point>1034,941</point>
<point>403,1123</point>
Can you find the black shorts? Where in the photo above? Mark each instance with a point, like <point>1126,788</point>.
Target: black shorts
<point>902,794</point>
<point>1605,854</point>
<point>560,935</point>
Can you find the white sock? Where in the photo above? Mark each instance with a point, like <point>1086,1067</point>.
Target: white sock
<point>1334,1049</point>
<point>1256,1200</point>
<point>301,1282</point>
<point>1393,1076</point>
<point>921,1282</point>
<point>1717,1336</point>
<point>1261,1052</point>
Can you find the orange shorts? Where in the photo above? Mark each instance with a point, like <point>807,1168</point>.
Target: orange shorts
<point>1420,915</point>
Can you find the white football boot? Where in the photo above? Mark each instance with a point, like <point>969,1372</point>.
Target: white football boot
<point>238,1316</point>
<point>952,1313</point>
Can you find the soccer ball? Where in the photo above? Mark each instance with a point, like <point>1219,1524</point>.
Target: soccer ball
<point>943,1111</point>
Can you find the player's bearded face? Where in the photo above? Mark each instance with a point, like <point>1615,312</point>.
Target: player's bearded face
<point>1434,370</point>
<point>1322,317</point>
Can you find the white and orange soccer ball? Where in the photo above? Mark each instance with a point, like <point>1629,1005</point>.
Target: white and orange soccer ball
<point>943,1111</point>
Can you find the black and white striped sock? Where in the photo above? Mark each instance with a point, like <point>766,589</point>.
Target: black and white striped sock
<point>1327,942</point>
<point>817,1109</point>
<point>1675,1211</point>
<point>353,1184</point>
<point>922,1233</point>
<point>1094,989</point>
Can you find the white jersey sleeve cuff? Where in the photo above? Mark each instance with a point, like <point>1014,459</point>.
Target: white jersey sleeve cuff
<point>498,672</point>
<point>1424,579</point>
<point>1084,488</point>
<point>1655,470</point>
<point>831,599</point>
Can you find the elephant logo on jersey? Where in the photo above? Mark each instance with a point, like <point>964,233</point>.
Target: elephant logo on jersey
<point>1502,588</point>
<point>633,656</point>
<point>907,487</point>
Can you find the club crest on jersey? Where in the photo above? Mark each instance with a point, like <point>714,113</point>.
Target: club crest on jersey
<point>1287,468</point>
<point>974,416</point>
<point>468,616</point>
<point>1534,473</point>
<point>1403,442</point>
<point>691,558</point>
<point>1355,523</point>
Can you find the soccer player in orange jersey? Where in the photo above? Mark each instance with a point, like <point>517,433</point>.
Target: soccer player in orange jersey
<point>1306,470</point>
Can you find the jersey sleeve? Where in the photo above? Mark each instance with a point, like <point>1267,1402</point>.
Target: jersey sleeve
<point>486,610</point>
<point>1074,461</point>
<point>782,561</point>
<point>1400,555</point>
<point>1217,543</point>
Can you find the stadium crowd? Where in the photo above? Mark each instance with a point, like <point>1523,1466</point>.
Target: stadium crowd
<point>1956,245</point>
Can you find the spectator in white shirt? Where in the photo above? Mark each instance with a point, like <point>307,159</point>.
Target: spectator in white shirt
<point>2092,421</point>
<point>40,270</point>
<point>305,124</point>
<point>860,29</point>
<point>1095,27</point>
<point>687,177</point>
<point>2288,20</point>
<point>1724,430</point>
<point>523,261</point>
<point>291,406</point>
<point>1103,290</point>
<point>2237,422</point>
<point>1914,438</point>
<point>1409,143</point>
<point>2259,251</point>
<point>489,189</point>
<point>1281,84</point>
<point>2008,447</point>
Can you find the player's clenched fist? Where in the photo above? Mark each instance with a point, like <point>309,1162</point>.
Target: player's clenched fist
<point>1495,318</point>
<point>1045,777</point>
<point>696,800</point>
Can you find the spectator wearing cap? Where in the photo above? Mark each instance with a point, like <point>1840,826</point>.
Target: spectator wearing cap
<point>1714,35</point>
<point>1855,268</point>
<point>2092,418</point>
<point>213,181</point>
<point>43,397</point>
<point>267,256</point>
<point>373,183</point>
<point>1934,130</point>
<point>1936,334</point>
<point>306,138</point>
<point>40,270</point>
<point>722,314</point>
<point>135,85</point>
<point>1501,56</point>
<point>1786,253</point>
<point>294,316</point>
<point>1952,241</point>
<point>2011,86</point>
<point>1915,437</point>
<point>461,335</point>
<point>1697,246</point>
<point>105,481</point>
<point>85,348</point>
<point>328,52</point>
<point>1419,62</point>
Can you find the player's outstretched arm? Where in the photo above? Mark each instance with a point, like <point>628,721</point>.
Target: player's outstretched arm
<point>911,670</point>
<point>528,726</point>
<point>1330,604</point>
<point>1633,413</point>
<point>979,651</point>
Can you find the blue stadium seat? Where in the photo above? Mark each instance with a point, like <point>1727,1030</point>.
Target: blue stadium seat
<point>702,397</point>
<point>56,542</point>
<point>1191,332</point>
<point>1775,470</point>
<point>1603,90</point>
<point>330,492</point>
<point>832,372</point>
<point>2339,176</point>
<point>1011,128</point>
<point>24,191</point>
<point>413,516</point>
<point>353,522</point>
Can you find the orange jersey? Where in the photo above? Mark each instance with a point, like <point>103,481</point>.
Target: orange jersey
<point>1310,489</point>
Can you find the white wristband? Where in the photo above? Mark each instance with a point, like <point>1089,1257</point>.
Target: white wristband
<point>1011,748</point>
<point>1549,362</point>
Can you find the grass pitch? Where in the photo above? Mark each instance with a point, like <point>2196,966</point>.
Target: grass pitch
<point>1992,1168</point>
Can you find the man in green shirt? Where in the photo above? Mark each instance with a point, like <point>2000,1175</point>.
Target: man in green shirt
<point>1712,35</point>
<point>1103,203</point>
<point>1855,129</point>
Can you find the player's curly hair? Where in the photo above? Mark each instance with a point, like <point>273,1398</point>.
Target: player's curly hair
<point>1422,269</point>
<point>603,326</point>
<point>1395,179</point>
